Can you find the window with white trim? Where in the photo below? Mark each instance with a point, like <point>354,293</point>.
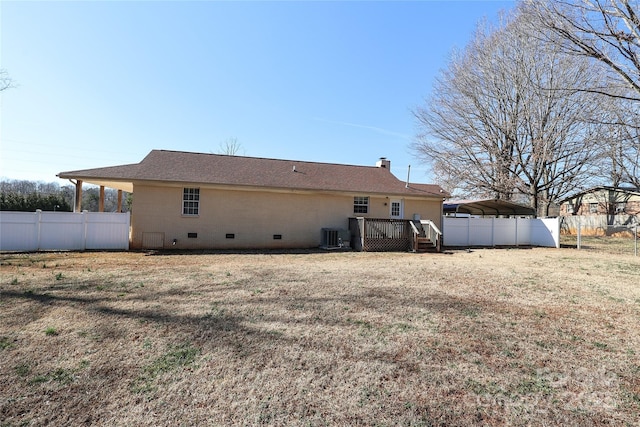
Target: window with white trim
<point>191,201</point>
<point>360,205</point>
<point>395,209</point>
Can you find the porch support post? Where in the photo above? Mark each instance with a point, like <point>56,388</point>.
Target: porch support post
<point>101,201</point>
<point>119,201</point>
<point>78,206</point>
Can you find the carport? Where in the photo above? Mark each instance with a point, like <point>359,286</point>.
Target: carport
<point>494,222</point>
<point>487,207</point>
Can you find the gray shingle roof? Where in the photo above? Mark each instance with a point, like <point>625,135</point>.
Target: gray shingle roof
<point>216,169</point>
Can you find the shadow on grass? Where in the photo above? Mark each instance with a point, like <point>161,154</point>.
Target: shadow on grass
<point>240,324</point>
<point>243,326</point>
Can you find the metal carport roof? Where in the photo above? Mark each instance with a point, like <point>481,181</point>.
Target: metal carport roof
<point>486,207</point>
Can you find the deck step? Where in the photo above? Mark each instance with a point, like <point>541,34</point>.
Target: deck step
<point>424,244</point>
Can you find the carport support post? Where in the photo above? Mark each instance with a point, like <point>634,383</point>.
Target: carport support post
<point>78,206</point>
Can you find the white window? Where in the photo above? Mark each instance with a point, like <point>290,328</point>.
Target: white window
<point>191,201</point>
<point>396,209</point>
<point>360,205</point>
<point>593,208</point>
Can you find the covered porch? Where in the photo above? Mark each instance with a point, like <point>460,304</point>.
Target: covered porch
<point>120,186</point>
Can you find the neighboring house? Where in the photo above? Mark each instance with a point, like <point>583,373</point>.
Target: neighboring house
<point>601,211</point>
<point>603,201</point>
<point>208,201</point>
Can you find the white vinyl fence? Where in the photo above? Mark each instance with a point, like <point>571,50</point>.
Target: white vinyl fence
<point>36,231</point>
<point>501,232</point>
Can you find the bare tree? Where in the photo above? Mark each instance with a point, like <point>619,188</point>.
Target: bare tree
<point>469,126</point>
<point>230,146</point>
<point>502,123</point>
<point>621,157</point>
<point>607,31</point>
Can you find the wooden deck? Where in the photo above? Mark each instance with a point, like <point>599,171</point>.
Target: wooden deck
<point>389,235</point>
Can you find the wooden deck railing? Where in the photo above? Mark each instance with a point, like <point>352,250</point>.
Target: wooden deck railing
<point>380,234</point>
<point>383,234</point>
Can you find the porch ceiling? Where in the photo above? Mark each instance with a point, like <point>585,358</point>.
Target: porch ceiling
<point>118,185</point>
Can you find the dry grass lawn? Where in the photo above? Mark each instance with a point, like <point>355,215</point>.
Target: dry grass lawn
<point>488,337</point>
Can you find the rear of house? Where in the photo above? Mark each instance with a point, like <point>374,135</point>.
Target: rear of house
<point>205,201</point>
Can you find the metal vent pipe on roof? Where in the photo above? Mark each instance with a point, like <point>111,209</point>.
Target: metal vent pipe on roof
<point>408,174</point>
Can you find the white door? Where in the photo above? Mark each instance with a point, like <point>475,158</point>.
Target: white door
<point>396,209</point>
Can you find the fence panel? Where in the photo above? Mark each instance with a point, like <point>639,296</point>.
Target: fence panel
<point>481,232</point>
<point>33,231</point>
<point>505,231</point>
<point>545,232</point>
<point>107,231</point>
<point>61,230</point>
<point>18,231</point>
<point>500,231</point>
<point>524,231</point>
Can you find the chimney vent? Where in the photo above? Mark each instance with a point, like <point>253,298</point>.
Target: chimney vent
<point>384,163</point>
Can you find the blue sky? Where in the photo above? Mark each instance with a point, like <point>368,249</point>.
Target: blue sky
<point>103,83</point>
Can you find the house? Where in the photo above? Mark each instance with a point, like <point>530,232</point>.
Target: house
<point>189,200</point>
<point>601,210</point>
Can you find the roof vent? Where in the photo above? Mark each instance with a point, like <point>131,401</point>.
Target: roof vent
<point>384,163</point>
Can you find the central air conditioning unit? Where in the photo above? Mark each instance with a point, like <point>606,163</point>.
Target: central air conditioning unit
<point>335,238</point>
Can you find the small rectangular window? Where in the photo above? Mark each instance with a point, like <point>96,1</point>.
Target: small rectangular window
<point>360,205</point>
<point>192,235</point>
<point>395,208</point>
<point>593,208</point>
<point>191,201</point>
<point>230,236</point>
<point>277,237</point>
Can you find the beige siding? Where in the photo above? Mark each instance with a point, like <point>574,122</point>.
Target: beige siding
<point>427,209</point>
<point>253,217</point>
<point>380,207</point>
